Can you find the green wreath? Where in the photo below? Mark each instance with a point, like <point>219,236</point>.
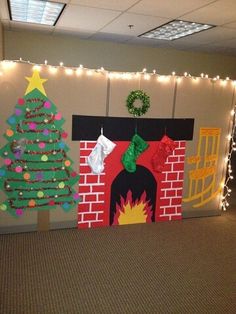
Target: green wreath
<point>145,99</point>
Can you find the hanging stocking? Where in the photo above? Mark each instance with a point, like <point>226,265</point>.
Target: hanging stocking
<point>164,148</point>
<point>101,150</point>
<point>136,147</point>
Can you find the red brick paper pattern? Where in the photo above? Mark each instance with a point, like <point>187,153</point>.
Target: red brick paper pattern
<point>91,211</point>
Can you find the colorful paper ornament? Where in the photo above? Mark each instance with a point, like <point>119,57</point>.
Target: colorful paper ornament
<point>9,133</point>
<point>76,196</point>
<point>61,185</point>
<point>67,163</point>
<point>26,176</point>
<point>21,101</point>
<point>46,132</point>
<point>18,112</point>
<point>64,135</point>
<point>40,194</point>
<point>18,169</point>
<point>47,105</point>
<point>7,161</point>
<point>44,158</point>
<point>57,116</point>
<point>32,126</point>
<point>41,145</point>
<point>2,172</point>
<point>32,203</point>
<point>3,207</point>
<point>61,145</point>
<point>19,211</point>
<point>66,206</point>
<point>12,120</point>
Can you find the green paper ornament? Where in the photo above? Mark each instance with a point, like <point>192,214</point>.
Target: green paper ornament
<point>3,207</point>
<point>44,158</point>
<point>40,194</point>
<point>61,185</point>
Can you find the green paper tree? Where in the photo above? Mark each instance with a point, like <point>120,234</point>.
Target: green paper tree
<point>37,173</point>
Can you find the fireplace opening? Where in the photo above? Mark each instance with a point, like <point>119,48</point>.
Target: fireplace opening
<point>133,197</point>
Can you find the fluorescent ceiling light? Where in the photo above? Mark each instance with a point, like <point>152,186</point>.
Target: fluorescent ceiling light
<point>175,30</point>
<point>35,11</point>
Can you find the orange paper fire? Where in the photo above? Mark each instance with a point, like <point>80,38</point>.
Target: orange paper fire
<point>132,212</point>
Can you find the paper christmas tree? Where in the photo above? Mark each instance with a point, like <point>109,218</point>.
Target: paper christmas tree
<point>37,173</point>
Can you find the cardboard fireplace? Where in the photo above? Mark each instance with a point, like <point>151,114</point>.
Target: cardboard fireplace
<point>116,196</point>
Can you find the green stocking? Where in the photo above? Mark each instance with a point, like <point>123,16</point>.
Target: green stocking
<point>136,147</point>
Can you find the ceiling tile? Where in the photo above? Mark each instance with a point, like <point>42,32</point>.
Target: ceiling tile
<point>106,4</point>
<point>141,24</point>
<point>111,37</point>
<point>85,18</point>
<point>30,26</point>
<point>169,9</point>
<point>230,25</point>
<point>72,32</point>
<point>217,13</point>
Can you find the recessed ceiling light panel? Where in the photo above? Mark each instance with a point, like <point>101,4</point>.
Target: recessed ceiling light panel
<point>175,30</point>
<point>35,11</point>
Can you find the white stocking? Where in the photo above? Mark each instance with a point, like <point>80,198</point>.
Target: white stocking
<point>101,150</point>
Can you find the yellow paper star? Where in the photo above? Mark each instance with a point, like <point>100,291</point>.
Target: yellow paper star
<point>35,82</point>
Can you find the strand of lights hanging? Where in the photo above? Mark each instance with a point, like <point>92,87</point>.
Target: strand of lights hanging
<point>54,69</point>
<point>79,70</point>
<point>226,189</point>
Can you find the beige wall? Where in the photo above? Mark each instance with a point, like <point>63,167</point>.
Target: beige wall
<point>1,42</point>
<point>113,56</point>
<point>207,102</point>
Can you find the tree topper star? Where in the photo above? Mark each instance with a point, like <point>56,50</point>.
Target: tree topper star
<point>35,82</point>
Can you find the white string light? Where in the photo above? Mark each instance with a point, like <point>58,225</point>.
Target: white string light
<point>78,71</point>
<point>53,69</point>
<point>225,186</point>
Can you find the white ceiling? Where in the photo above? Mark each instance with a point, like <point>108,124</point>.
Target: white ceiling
<point>110,20</point>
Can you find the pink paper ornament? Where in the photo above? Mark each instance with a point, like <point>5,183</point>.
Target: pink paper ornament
<point>32,126</point>
<point>18,169</point>
<point>47,104</point>
<point>58,116</point>
<point>41,145</point>
<point>76,196</point>
<point>19,211</point>
<point>7,161</point>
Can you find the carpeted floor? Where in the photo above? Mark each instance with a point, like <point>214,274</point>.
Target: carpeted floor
<point>185,266</point>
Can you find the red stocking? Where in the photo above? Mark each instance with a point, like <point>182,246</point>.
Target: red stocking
<point>164,148</point>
